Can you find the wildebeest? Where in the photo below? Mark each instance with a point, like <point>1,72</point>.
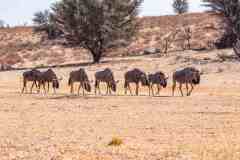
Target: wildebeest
<point>107,77</point>
<point>135,76</point>
<point>49,77</point>
<point>158,79</point>
<point>82,77</point>
<point>186,76</point>
<point>32,76</point>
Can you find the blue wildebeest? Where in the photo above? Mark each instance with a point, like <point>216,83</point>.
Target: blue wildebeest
<point>159,79</point>
<point>82,77</point>
<point>186,76</point>
<point>135,76</point>
<point>48,77</point>
<point>107,77</point>
<point>32,76</point>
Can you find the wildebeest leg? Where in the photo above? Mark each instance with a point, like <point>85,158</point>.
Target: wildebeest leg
<point>126,86</point>
<point>72,88</point>
<point>180,88</point>
<point>39,87</point>
<point>79,87</point>
<point>99,90</point>
<point>32,86</point>
<point>107,89</point>
<point>187,88</point>
<point>34,83</point>
<point>149,90</point>
<point>54,90</point>
<point>83,89</point>
<point>129,87</point>
<point>153,90</point>
<point>137,88</point>
<point>159,89</point>
<point>173,88</point>
<point>48,86</point>
<point>190,92</point>
<point>44,87</point>
<point>96,86</point>
<point>24,85</point>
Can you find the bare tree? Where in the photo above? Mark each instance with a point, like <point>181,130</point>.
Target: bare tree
<point>180,6</point>
<point>97,25</point>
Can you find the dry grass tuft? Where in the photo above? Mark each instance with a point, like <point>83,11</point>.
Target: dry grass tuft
<point>115,142</point>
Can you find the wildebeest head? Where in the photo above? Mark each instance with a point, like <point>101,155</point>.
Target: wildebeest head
<point>163,80</point>
<point>144,79</point>
<point>196,77</point>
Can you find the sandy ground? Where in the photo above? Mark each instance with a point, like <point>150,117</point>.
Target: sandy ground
<point>69,127</point>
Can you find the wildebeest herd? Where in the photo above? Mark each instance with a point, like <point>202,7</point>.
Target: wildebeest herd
<point>188,76</point>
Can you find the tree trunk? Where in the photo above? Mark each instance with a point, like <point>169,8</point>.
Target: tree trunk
<point>97,57</point>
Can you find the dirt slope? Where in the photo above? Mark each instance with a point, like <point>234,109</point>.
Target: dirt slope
<point>21,48</point>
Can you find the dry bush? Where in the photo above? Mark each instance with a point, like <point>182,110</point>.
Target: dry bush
<point>37,56</point>
<point>12,59</point>
<point>115,142</point>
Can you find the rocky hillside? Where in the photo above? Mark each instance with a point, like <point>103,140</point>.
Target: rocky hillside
<point>20,47</point>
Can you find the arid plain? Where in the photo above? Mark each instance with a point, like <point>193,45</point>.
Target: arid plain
<point>69,127</point>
